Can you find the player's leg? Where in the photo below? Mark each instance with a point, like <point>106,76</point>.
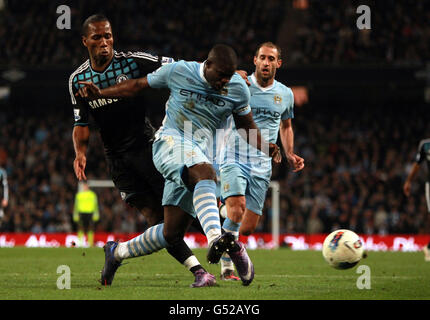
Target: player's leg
<point>255,188</point>
<point>235,208</point>
<point>90,231</point>
<point>142,188</point>
<point>201,178</point>
<point>152,240</point>
<point>205,204</point>
<point>249,223</point>
<point>185,163</point>
<point>154,201</point>
<point>233,187</point>
<point>82,228</point>
<point>177,221</point>
<point>178,202</point>
<point>127,172</point>
<point>255,197</point>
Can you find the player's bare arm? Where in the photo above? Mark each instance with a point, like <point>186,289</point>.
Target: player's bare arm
<point>81,136</point>
<point>247,123</point>
<point>287,140</point>
<point>410,178</point>
<point>126,89</point>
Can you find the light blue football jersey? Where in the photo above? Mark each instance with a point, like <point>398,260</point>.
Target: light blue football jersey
<point>269,106</point>
<point>194,109</point>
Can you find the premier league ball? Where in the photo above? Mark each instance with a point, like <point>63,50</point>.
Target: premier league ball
<point>342,249</point>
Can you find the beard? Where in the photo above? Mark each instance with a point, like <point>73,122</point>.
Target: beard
<point>266,77</point>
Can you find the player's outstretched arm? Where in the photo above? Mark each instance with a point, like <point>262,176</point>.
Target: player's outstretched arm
<point>80,136</point>
<point>287,139</point>
<point>408,183</point>
<point>246,125</point>
<point>125,89</point>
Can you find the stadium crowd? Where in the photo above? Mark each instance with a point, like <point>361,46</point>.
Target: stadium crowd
<point>327,34</point>
<point>356,163</point>
<point>168,29</point>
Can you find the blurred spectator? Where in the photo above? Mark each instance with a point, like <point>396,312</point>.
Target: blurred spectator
<point>327,34</point>
<point>183,29</point>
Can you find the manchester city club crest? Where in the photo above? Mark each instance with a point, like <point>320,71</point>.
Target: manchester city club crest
<point>277,99</point>
<point>121,78</point>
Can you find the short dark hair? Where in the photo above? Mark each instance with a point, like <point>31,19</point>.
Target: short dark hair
<point>223,55</point>
<point>270,45</point>
<point>98,17</point>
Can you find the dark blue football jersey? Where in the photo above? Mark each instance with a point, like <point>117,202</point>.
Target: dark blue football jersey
<point>123,123</point>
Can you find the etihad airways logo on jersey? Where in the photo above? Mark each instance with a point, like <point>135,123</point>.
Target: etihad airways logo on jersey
<point>264,111</point>
<point>202,98</point>
<point>97,103</point>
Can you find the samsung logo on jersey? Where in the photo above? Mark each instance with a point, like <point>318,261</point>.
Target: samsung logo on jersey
<point>101,102</point>
<point>202,98</point>
<point>265,112</point>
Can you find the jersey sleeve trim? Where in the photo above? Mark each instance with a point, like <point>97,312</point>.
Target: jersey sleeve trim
<point>289,111</point>
<point>137,54</point>
<point>72,76</point>
<point>243,111</point>
<point>80,124</point>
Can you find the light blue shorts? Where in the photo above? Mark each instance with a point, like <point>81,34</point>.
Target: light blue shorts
<point>239,180</point>
<point>171,153</point>
<point>179,196</point>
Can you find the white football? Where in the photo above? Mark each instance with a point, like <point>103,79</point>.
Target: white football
<point>342,249</point>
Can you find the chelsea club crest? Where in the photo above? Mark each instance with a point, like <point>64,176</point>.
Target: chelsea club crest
<point>121,78</point>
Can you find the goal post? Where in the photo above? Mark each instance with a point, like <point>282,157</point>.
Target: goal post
<point>92,183</point>
<point>274,186</point>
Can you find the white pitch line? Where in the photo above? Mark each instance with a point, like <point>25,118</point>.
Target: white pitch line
<point>308,276</point>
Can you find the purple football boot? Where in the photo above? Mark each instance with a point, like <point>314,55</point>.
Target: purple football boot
<point>243,263</point>
<point>203,279</point>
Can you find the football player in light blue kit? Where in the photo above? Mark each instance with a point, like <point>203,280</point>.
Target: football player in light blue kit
<point>202,97</point>
<point>245,171</point>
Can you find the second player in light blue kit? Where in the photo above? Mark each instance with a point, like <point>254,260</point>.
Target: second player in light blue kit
<point>245,171</point>
<point>202,97</point>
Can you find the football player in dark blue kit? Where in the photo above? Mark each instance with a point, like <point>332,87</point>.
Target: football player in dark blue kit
<point>423,154</point>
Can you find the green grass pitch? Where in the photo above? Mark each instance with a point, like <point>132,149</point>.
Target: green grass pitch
<point>31,273</point>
